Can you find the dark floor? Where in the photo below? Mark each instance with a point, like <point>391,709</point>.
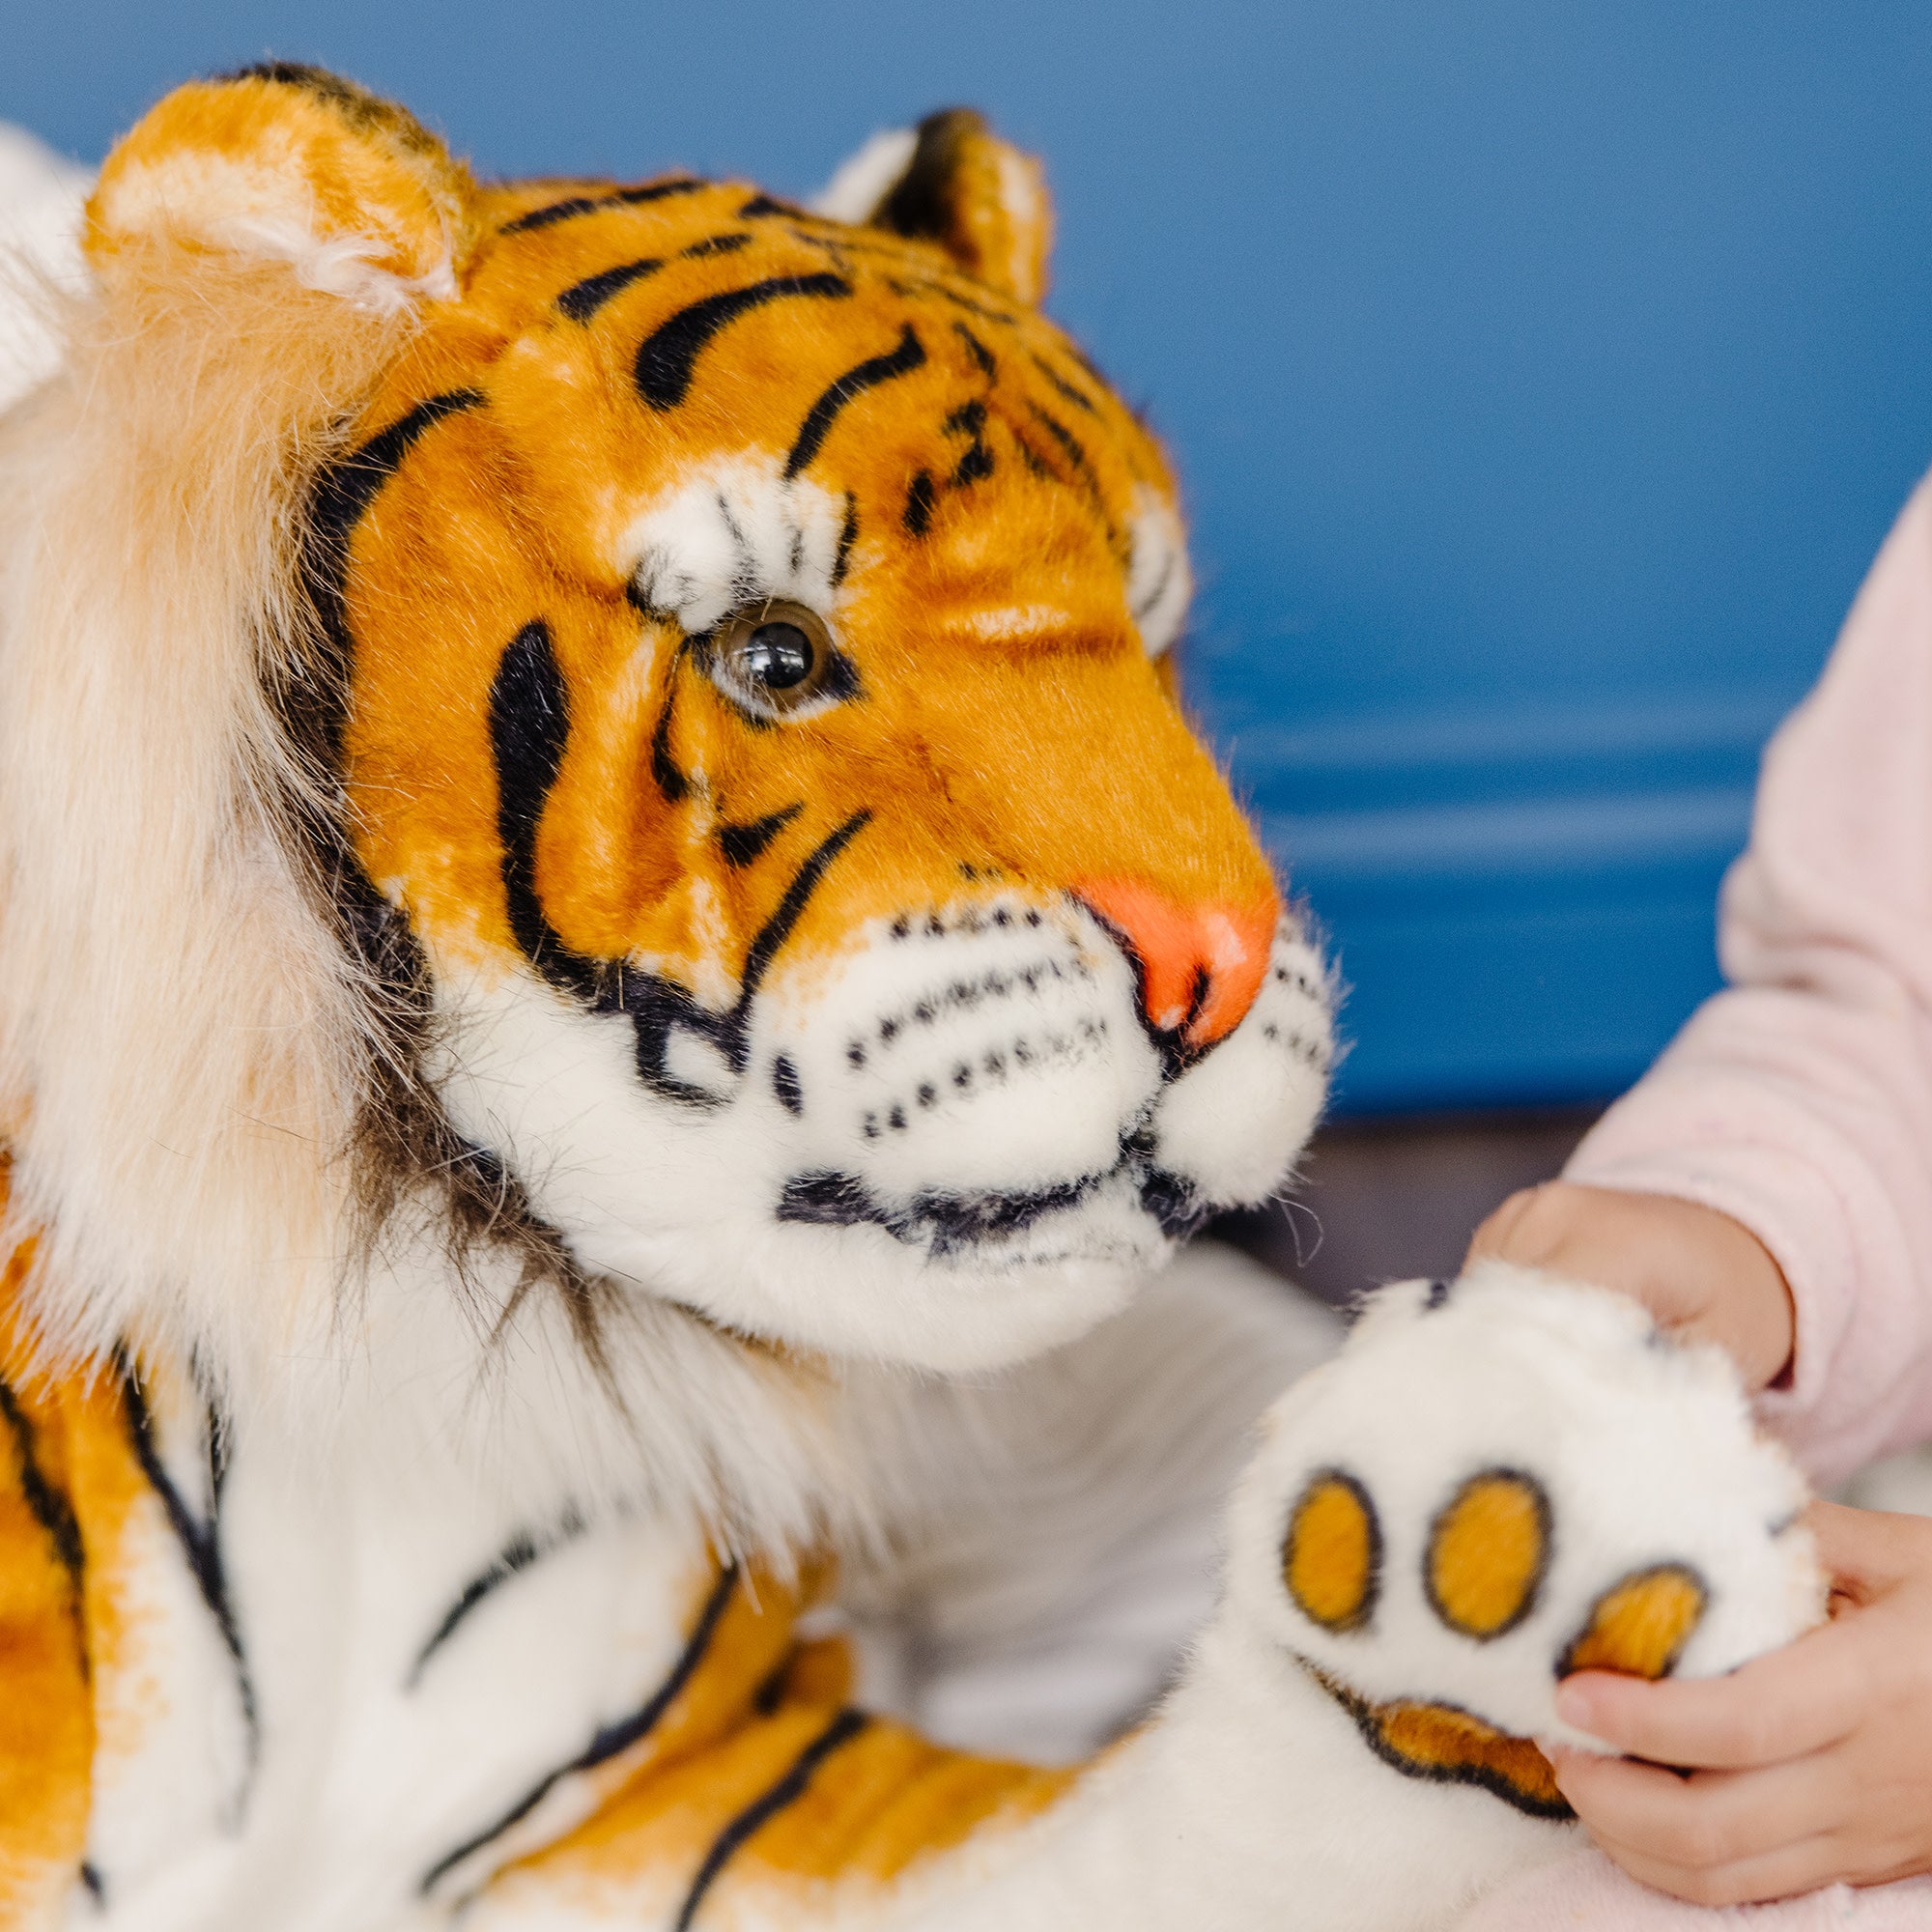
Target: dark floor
<point>1382,1200</point>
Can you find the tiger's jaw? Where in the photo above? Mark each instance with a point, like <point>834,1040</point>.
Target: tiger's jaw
<point>951,1145</point>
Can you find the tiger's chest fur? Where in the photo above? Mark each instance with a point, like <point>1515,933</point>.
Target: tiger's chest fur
<point>409,1641</point>
<point>335,1686</point>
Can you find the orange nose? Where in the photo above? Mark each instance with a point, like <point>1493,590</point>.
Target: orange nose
<point>1200,963</point>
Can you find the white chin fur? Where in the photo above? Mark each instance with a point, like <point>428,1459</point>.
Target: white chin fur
<point>924,1155</point>
<point>682,1202</point>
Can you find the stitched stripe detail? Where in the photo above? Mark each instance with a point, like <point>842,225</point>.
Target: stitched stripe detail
<point>841,1730</point>
<point>200,1541</point>
<point>582,300</point>
<point>665,356</point>
<point>516,1556</point>
<point>569,208</point>
<point>611,1739</point>
<point>856,381</point>
<point>50,1507</point>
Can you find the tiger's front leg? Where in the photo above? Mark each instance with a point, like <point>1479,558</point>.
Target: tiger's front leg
<point>1498,1481</point>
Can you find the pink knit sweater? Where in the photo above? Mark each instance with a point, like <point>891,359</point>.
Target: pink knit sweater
<point>1798,1100</point>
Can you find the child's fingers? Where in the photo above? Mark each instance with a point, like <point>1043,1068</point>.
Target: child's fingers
<point>1715,1819</point>
<point>1788,1704</point>
<point>1793,1868</point>
<point>1867,1551</point>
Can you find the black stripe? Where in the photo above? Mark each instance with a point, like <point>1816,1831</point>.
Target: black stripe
<point>969,419</point>
<point>665,356</point>
<point>201,1543</point>
<point>516,1556</point>
<point>841,1730</point>
<point>745,844</point>
<point>634,197</point>
<point>658,1007</point>
<point>979,350</point>
<point>568,209</point>
<point>530,728</point>
<point>582,300</point>
<point>777,929</point>
<point>671,784</point>
<point>977,461</point>
<point>342,494</point>
<point>612,1739</point>
<point>765,203</point>
<point>917,513</point>
<point>555,210</point>
<point>716,245</point>
<point>847,537</point>
<point>921,285</point>
<point>1078,397</point>
<point>1075,452</point>
<point>868,375</point>
<point>49,1505</point>
<point>1088,363</point>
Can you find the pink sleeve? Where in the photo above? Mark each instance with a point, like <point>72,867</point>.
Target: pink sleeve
<point>1799,1099</point>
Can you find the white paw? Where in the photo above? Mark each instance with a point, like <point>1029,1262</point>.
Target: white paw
<point>1501,1479</point>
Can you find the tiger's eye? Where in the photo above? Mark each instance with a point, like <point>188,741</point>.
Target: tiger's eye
<point>776,656</point>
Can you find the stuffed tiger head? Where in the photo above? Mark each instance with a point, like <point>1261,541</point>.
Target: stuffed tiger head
<point>716,654</point>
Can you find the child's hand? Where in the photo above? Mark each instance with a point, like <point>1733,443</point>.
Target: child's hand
<point>1699,1272</point>
<point>1816,1760</point>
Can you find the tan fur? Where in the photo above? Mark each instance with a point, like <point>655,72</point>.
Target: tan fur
<point>180,1041</point>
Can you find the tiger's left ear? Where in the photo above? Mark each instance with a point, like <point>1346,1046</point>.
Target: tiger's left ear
<point>953,182</point>
<point>290,166</point>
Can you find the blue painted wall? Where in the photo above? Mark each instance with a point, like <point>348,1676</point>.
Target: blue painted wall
<point>1544,376</point>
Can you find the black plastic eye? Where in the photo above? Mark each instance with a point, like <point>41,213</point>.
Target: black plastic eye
<point>777,658</point>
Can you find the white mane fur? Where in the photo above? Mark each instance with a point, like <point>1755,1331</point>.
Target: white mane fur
<point>183,1039</point>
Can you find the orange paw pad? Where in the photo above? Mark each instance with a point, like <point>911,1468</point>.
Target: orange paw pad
<point>1487,1551</point>
<point>1640,1626</point>
<point>1331,1561</point>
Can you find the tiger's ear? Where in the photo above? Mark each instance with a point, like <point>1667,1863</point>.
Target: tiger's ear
<point>953,180</point>
<point>282,163</point>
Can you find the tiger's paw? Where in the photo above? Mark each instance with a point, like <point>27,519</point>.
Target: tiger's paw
<point>1498,1481</point>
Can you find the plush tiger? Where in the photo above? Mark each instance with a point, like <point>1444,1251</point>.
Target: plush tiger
<point>608,905</point>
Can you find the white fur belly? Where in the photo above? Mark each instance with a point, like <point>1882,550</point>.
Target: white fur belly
<point>421,1663</point>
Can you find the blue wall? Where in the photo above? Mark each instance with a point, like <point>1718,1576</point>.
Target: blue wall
<point>1544,376</point>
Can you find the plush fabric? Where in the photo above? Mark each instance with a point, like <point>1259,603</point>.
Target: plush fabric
<point>1584,1892</point>
<point>618,962</point>
<point>40,197</point>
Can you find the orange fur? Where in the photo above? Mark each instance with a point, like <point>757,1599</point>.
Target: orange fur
<point>1012,606</point>
<point>222,163</point>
